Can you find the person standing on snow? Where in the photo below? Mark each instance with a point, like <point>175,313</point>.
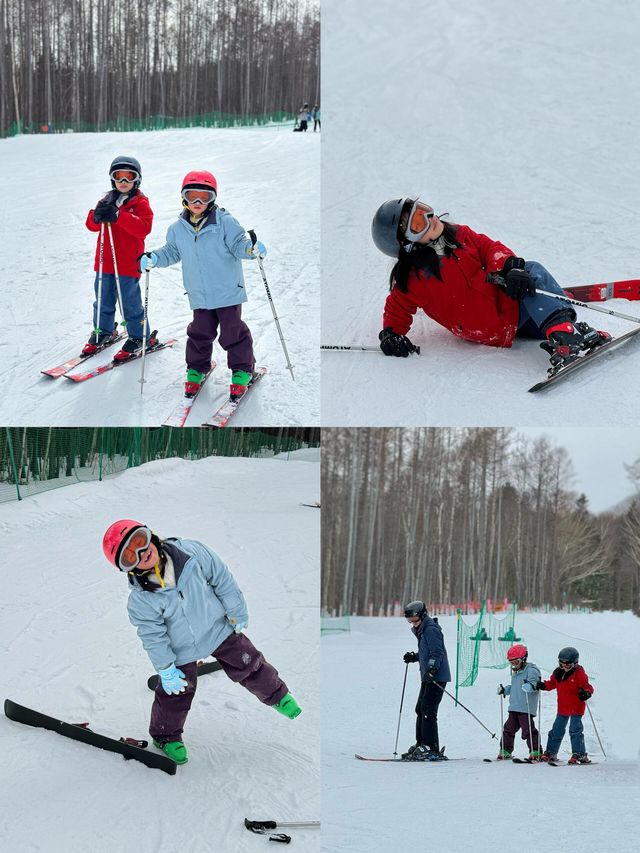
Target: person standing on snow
<point>472,285</point>
<point>124,214</point>
<point>434,674</point>
<point>302,120</point>
<point>574,690</point>
<point>522,704</point>
<point>316,118</point>
<point>211,245</point>
<point>186,605</point>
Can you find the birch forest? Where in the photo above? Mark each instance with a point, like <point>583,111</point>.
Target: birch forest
<point>457,515</point>
<point>68,62</point>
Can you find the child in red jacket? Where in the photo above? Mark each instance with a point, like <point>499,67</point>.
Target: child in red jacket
<point>572,684</point>
<point>124,214</point>
<point>472,285</point>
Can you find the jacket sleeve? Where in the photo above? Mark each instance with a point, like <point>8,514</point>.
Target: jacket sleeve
<point>235,238</point>
<point>493,253</point>
<point>435,643</point>
<point>137,224</point>
<point>153,634</point>
<point>223,584</point>
<point>91,225</point>
<point>533,674</point>
<point>551,683</point>
<point>169,253</point>
<point>507,689</point>
<point>583,682</point>
<point>399,309</point>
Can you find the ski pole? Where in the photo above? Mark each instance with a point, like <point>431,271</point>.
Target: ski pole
<point>404,684</point>
<point>458,702</point>
<point>261,826</point>
<point>596,731</point>
<point>252,234</point>
<point>501,719</point>
<point>144,327</point>
<point>359,348</point>
<point>99,299</point>
<point>588,305</point>
<point>115,270</point>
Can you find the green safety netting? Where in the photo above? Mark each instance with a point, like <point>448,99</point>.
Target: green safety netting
<point>36,459</point>
<point>334,624</point>
<point>483,644</point>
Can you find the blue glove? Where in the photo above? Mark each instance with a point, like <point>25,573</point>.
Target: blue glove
<point>173,679</point>
<point>148,261</point>
<point>258,250</point>
<point>528,688</point>
<point>238,625</point>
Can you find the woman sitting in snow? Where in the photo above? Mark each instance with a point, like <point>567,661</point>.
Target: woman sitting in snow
<point>472,285</point>
<point>186,605</point>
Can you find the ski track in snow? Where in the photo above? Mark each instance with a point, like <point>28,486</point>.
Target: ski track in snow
<point>72,653</point>
<point>470,805</point>
<point>269,178</point>
<point>529,140</point>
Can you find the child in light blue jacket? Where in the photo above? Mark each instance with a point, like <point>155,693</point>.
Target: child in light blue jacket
<point>523,704</point>
<point>211,245</point>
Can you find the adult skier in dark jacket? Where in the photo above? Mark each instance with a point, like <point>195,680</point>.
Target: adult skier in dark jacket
<point>434,674</point>
<point>472,285</point>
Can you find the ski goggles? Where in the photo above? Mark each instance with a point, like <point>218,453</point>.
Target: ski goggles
<point>198,196</point>
<point>566,663</point>
<point>132,548</point>
<point>418,220</point>
<point>120,175</point>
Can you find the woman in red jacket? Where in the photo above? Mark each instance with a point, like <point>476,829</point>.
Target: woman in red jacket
<point>470,284</point>
<point>123,214</point>
<point>572,684</point>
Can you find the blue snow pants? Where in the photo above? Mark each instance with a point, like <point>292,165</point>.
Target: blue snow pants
<point>576,733</point>
<point>535,311</point>
<point>131,304</point>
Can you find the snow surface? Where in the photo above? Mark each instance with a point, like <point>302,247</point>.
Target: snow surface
<point>269,178</point>
<point>70,651</point>
<point>469,805</point>
<point>518,119</point>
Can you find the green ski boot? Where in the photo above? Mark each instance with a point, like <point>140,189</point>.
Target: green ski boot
<point>240,380</point>
<point>288,706</point>
<point>174,749</point>
<point>193,383</point>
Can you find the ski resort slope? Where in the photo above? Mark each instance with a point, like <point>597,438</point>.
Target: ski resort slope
<point>268,178</point>
<point>514,118</point>
<point>469,805</point>
<point>68,650</point>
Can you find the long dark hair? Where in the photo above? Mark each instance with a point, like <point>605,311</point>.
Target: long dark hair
<point>423,258</point>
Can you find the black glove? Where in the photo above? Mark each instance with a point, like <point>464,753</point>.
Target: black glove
<point>540,686</point>
<point>432,669</point>
<point>584,694</point>
<point>515,279</point>
<point>392,344</point>
<point>105,211</point>
<point>410,657</point>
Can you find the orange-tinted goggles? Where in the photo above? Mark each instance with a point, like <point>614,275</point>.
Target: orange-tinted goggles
<point>133,548</point>
<point>419,220</point>
<point>203,196</point>
<point>121,175</point>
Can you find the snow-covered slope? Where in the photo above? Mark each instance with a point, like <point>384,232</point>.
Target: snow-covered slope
<point>469,805</point>
<point>267,177</point>
<point>69,650</point>
<point>518,120</point>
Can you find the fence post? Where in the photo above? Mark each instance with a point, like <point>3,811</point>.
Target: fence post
<point>458,614</point>
<point>100,454</point>
<point>13,461</point>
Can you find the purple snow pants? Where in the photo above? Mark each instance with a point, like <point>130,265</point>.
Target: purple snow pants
<point>241,661</point>
<point>515,721</point>
<point>235,338</point>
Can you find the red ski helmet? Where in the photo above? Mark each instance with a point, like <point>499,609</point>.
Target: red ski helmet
<point>200,181</point>
<point>117,536</point>
<point>517,652</point>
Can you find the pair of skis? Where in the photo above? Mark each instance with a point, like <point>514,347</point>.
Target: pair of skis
<point>222,416</point>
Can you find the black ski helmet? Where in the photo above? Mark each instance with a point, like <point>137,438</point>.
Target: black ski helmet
<point>415,608</point>
<point>386,224</point>
<point>126,163</point>
<point>568,655</point>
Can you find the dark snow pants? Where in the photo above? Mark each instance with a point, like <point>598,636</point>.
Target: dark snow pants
<point>429,699</point>
<point>517,720</point>
<point>241,661</point>
<point>235,338</point>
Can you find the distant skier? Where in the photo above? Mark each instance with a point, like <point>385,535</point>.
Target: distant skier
<point>522,704</point>
<point>186,605</point>
<point>128,213</point>
<point>316,118</point>
<point>470,284</point>
<point>434,673</point>
<point>210,243</point>
<point>574,690</point>
<point>302,120</point>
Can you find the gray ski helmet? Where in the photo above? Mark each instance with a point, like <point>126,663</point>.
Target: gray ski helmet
<point>568,655</point>
<point>415,608</point>
<point>126,163</point>
<point>385,226</point>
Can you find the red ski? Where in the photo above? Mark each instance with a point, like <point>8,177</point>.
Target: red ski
<point>629,289</point>
<point>224,414</point>
<point>82,377</point>
<point>61,369</point>
<point>179,415</point>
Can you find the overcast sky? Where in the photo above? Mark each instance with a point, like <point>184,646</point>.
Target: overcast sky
<point>599,455</point>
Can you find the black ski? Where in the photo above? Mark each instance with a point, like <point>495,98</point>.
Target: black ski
<point>124,747</point>
<point>566,764</point>
<point>583,360</point>
<point>203,669</point>
<point>405,760</point>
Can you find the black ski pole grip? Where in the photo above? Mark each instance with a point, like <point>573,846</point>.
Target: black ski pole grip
<point>252,234</point>
<point>285,839</point>
<point>259,825</point>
